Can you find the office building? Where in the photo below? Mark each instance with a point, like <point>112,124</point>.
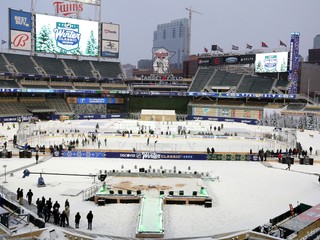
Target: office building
<point>174,37</point>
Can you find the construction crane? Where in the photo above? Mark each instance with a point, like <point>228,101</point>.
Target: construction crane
<point>190,10</point>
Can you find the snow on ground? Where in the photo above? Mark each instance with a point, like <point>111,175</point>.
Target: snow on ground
<point>247,195</point>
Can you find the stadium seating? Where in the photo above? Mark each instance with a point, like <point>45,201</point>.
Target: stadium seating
<point>282,83</point>
<point>295,106</point>
<point>34,84</point>
<point>22,63</point>
<point>255,84</point>
<point>60,105</point>
<point>200,80</point>
<point>85,85</point>
<point>80,68</point>
<point>262,85</point>
<point>8,84</point>
<point>61,85</point>
<point>221,78</point>
<point>51,66</point>
<point>113,86</point>
<point>108,69</point>
<point>3,67</point>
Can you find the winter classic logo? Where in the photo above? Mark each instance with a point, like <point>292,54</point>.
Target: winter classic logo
<point>67,36</point>
<point>270,63</point>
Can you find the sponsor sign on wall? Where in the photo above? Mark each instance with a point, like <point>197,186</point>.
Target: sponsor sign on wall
<point>100,100</point>
<point>247,59</point>
<point>217,61</point>
<point>271,62</point>
<point>110,31</point>
<point>231,60</point>
<point>204,62</point>
<point>20,20</point>
<point>110,49</point>
<point>66,36</point>
<point>20,40</point>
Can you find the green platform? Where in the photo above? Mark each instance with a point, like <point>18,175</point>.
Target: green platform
<point>151,217</point>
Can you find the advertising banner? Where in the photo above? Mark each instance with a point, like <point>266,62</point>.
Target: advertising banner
<point>20,20</point>
<point>66,36</point>
<point>100,100</point>
<point>100,116</point>
<point>231,60</point>
<point>224,119</point>
<point>135,155</point>
<point>271,62</point>
<point>20,40</point>
<point>204,62</point>
<point>217,61</point>
<point>247,59</point>
<point>110,31</point>
<point>110,49</point>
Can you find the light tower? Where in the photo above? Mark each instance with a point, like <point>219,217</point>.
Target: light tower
<point>190,10</point>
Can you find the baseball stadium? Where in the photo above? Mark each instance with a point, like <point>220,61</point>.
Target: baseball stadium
<point>226,147</point>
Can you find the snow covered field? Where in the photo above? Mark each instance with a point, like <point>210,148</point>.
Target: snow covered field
<point>247,195</point>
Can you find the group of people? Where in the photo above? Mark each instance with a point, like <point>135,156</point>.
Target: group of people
<point>46,208</point>
<point>210,151</point>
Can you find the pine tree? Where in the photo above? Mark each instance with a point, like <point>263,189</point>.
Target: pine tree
<point>92,46</point>
<point>44,43</point>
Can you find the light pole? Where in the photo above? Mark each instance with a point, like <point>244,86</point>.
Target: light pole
<point>5,174</point>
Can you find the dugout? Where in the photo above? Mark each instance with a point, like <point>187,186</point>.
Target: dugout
<point>157,115</point>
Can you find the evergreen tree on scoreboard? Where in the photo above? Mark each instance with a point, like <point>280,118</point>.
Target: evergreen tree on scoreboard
<point>44,43</point>
<point>92,46</point>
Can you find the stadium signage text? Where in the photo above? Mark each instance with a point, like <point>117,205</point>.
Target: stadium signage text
<point>67,9</point>
<point>162,77</point>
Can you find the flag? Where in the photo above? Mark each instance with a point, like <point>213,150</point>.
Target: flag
<point>3,41</point>
<point>249,46</point>
<point>263,44</point>
<point>234,47</point>
<point>205,49</point>
<point>282,44</point>
<point>220,49</point>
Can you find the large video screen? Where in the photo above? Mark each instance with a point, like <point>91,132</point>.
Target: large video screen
<point>271,62</point>
<point>66,36</point>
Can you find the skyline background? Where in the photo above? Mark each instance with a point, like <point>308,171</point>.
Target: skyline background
<point>224,23</point>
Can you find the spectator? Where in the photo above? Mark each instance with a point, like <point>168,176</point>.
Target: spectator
<point>29,196</point>
<point>56,216</point>
<point>37,157</point>
<point>63,219</point>
<point>212,150</point>
<point>67,204</point>
<point>288,162</point>
<point>18,192</point>
<point>77,219</point>
<point>56,205</point>
<point>310,149</point>
<point>89,218</point>
<point>67,211</point>
<point>21,197</point>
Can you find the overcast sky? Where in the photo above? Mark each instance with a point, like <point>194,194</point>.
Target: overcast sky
<point>226,23</point>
